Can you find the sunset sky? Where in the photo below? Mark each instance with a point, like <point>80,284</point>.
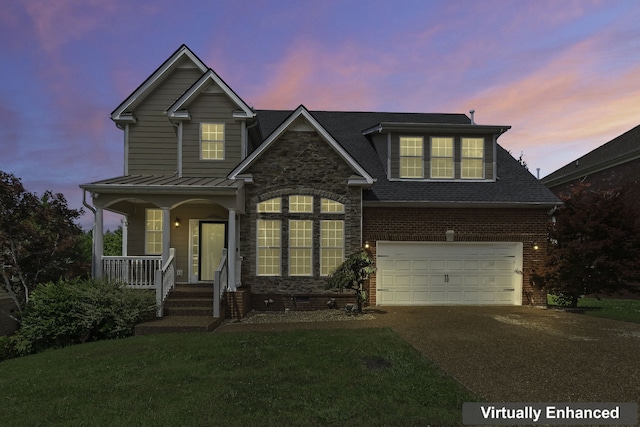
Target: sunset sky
<point>564,74</point>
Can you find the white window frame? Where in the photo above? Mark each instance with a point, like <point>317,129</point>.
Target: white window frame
<point>278,224</point>
<point>439,157</point>
<point>297,243</point>
<point>418,142</point>
<point>156,231</point>
<point>213,141</point>
<point>324,269</point>
<point>465,160</point>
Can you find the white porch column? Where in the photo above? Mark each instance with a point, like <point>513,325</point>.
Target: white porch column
<point>98,246</point>
<point>166,234</point>
<point>125,234</point>
<point>231,252</point>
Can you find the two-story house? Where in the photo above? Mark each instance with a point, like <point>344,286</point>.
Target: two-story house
<point>276,200</point>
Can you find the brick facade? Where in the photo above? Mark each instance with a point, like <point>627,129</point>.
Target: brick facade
<point>470,225</point>
<point>298,163</point>
<point>624,176</point>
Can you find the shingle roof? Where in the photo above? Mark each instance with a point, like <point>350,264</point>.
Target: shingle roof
<point>515,185</point>
<point>619,150</point>
<point>164,183</point>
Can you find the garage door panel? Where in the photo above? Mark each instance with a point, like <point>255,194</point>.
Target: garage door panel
<point>452,273</point>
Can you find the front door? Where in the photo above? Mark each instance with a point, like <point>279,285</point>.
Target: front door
<point>207,240</point>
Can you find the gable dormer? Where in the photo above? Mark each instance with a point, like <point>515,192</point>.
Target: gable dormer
<point>436,152</point>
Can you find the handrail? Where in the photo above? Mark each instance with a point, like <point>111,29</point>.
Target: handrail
<point>220,283</point>
<point>165,280</point>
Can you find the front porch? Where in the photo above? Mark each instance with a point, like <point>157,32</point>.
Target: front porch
<point>175,229</point>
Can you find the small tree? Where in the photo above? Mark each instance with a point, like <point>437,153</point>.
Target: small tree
<point>595,246</point>
<point>39,240</point>
<point>351,274</point>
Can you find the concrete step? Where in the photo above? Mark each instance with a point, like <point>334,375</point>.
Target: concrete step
<point>188,302</point>
<point>178,324</point>
<point>188,311</point>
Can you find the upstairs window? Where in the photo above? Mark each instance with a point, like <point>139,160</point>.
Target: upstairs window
<point>411,159</point>
<point>472,159</point>
<point>212,141</point>
<point>442,157</point>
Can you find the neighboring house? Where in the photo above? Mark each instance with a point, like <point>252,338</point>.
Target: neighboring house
<point>449,216</point>
<point>612,166</point>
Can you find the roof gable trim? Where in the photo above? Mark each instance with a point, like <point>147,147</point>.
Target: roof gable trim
<point>301,111</point>
<point>208,78</point>
<point>150,82</point>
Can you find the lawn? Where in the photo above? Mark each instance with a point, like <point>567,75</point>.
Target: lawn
<point>303,378</point>
<point>627,310</point>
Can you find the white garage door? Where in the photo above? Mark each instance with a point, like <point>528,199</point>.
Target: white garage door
<point>411,273</point>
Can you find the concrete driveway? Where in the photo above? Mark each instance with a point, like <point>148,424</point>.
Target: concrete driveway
<point>512,354</point>
<point>525,354</point>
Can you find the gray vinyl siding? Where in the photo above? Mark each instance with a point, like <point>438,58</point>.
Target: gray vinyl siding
<point>210,108</point>
<point>153,148</point>
<point>488,158</point>
<point>395,156</point>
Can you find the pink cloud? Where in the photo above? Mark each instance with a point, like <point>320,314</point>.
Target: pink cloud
<point>342,78</point>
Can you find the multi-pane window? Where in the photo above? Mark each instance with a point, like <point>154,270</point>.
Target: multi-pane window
<point>270,206</point>
<point>411,159</point>
<point>331,245</point>
<point>472,159</point>
<point>153,232</point>
<point>300,243</point>
<point>441,157</point>
<point>269,247</point>
<point>330,206</point>
<point>212,141</point>
<point>301,204</point>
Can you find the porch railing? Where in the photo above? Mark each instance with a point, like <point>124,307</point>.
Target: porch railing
<point>143,272</point>
<point>220,283</point>
<point>165,281</point>
<point>136,271</point>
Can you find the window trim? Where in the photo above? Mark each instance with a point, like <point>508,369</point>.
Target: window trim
<point>400,156</point>
<point>147,231</point>
<point>290,247</point>
<point>482,159</point>
<point>223,141</point>
<point>258,247</point>
<point>452,158</point>
<point>322,248</point>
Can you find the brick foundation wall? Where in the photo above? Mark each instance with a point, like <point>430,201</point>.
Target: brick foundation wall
<point>237,304</point>
<point>470,225</point>
<point>301,302</point>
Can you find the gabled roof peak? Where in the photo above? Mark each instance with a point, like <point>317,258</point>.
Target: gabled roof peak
<point>121,113</point>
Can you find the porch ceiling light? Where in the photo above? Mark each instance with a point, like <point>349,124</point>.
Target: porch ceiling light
<point>177,222</point>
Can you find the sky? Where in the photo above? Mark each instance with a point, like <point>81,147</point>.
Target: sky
<point>565,74</point>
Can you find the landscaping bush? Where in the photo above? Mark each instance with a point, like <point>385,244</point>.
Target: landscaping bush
<point>7,348</point>
<point>70,312</point>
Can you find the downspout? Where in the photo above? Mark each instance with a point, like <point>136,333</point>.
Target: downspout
<point>245,146</point>
<point>93,231</point>
<point>179,128</point>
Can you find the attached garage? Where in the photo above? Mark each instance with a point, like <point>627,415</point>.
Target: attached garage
<point>417,273</point>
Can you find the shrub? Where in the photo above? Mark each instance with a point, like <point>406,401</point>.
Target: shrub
<point>7,348</point>
<point>71,312</point>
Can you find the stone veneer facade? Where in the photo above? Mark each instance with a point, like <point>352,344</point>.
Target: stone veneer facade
<point>298,163</point>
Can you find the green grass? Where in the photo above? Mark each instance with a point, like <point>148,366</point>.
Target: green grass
<point>300,378</point>
<point>627,310</point>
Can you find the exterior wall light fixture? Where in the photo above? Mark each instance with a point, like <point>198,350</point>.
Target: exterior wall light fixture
<point>177,222</point>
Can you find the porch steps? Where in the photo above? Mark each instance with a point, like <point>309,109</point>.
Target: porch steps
<point>188,308</point>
